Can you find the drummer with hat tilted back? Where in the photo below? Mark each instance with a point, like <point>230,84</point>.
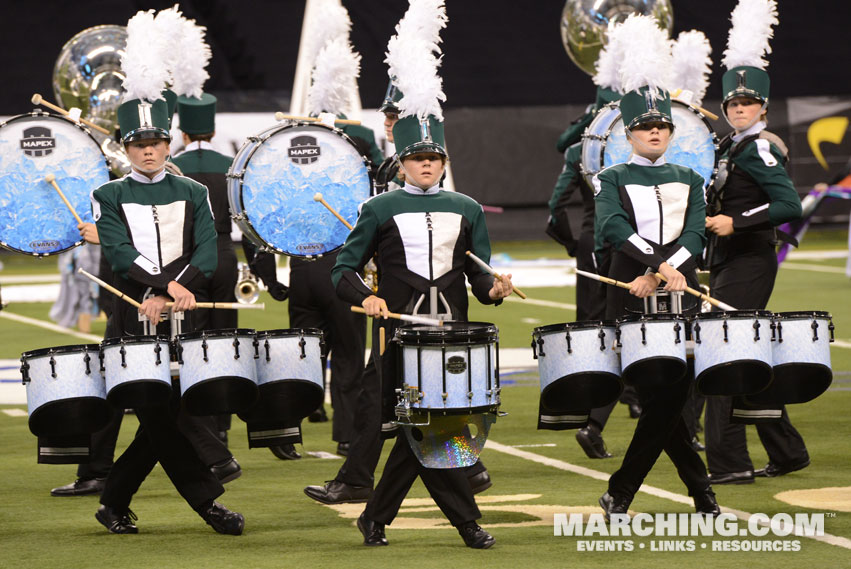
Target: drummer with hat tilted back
<point>651,213</point>
<point>156,230</point>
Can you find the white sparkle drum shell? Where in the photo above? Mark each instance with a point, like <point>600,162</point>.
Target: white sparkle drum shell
<point>653,349</point>
<point>694,143</point>
<point>275,176</point>
<point>578,365</point>
<point>217,370</point>
<point>454,367</point>
<point>136,369</point>
<point>800,358</point>
<point>66,394</point>
<point>290,377</point>
<point>33,218</point>
<point>732,352</point>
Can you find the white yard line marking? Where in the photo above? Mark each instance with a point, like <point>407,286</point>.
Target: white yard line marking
<point>816,268</point>
<point>652,490</point>
<point>547,303</point>
<point>49,326</point>
<point>15,412</point>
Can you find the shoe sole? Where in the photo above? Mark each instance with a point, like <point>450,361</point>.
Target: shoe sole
<point>743,481</point>
<point>231,477</point>
<point>589,449</point>
<point>322,500</point>
<point>482,487</point>
<point>72,494</point>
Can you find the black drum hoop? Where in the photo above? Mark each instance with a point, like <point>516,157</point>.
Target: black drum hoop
<point>290,333</point>
<point>734,315</point>
<point>214,334</point>
<point>158,339</point>
<point>450,334</point>
<point>56,350</point>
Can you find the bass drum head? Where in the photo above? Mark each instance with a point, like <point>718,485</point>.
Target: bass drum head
<point>274,181</point>
<point>33,218</point>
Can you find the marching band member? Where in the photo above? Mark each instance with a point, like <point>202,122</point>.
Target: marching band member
<point>752,195</point>
<point>651,213</point>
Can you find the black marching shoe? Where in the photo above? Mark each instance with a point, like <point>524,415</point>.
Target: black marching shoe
<point>480,482</point>
<point>116,521</point>
<point>771,470</point>
<point>335,492</point>
<point>80,487</point>
<point>223,520</point>
<point>285,452</point>
<point>634,410</point>
<point>226,470</point>
<point>614,504</point>
<point>343,449</point>
<point>592,443</point>
<point>318,416</point>
<point>373,532</point>
<point>697,445</point>
<point>474,536</point>
<point>744,477</point>
<point>705,503</point>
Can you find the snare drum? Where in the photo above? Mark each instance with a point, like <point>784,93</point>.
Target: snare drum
<point>217,370</point>
<point>273,180</point>
<point>454,368</point>
<point>694,143</point>
<point>800,358</point>
<point>732,352</point>
<point>33,218</point>
<point>136,370</point>
<point>653,349</point>
<point>578,365</point>
<point>66,394</point>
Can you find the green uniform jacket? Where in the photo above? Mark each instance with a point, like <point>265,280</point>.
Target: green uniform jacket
<point>209,167</point>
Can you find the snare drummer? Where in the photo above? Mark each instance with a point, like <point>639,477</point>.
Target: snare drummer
<point>156,230</point>
<point>651,212</point>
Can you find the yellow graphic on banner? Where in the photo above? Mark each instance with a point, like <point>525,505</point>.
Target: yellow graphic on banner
<point>828,129</point>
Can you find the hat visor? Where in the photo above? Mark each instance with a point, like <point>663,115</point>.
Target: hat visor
<point>147,133</point>
<point>739,92</point>
<point>388,107</point>
<point>421,147</point>
<point>652,116</point>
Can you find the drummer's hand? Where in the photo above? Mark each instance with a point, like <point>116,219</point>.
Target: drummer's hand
<point>153,307</point>
<point>183,299</point>
<point>89,232</point>
<point>502,287</point>
<point>375,306</point>
<point>674,279</point>
<point>720,225</point>
<point>643,286</point>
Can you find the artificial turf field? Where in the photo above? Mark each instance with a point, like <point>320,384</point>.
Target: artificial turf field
<point>284,528</point>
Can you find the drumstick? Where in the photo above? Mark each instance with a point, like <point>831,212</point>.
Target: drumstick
<point>37,100</point>
<point>279,116</point>
<point>317,197</point>
<point>707,113</point>
<point>382,344</point>
<point>405,317</point>
<point>220,305</point>
<point>51,179</point>
<point>702,296</point>
<point>602,279</point>
<point>488,269</point>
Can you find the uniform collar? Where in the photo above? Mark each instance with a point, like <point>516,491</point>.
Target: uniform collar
<point>755,129</point>
<point>642,161</point>
<point>143,179</point>
<point>411,189</point>
<point>198,145</point>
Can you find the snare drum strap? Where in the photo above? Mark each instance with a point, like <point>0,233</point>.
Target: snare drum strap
<point>73,449</point>
<point>747,413</point>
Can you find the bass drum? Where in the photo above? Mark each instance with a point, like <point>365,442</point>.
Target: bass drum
<point>694,144</point>
<point>275,176</point>
<point>33,218</point>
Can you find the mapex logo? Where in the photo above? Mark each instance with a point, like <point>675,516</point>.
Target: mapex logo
<point>38,141</point>
<point>303,150</point>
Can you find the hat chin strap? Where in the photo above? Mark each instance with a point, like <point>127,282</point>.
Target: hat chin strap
<point>754,120</point>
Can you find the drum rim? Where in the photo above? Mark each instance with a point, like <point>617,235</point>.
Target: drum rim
<point>151,339</point>
<point>802,315</point>
<point>67,349</point>
<point>425,334</point>
<point>290,332</point>
<point>255,143</point>
<point>39,113</point>
<point>734,315</point>
<point>659,317</point>
<point>578,325</point>
<point>220,333</point>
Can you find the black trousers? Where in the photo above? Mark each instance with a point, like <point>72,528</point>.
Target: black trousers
<point>746,281</point>
<point>660,428</point>
<point>590,294</point>
<point>314,304</point>
<point>102,448</point>
<point>220,288</point>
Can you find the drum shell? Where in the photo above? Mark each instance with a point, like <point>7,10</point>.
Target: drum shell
<point>741,364</point>
<point>136,379</point>
<point>463,356</point>
<point>653,349</point>
<point>585,375</point>
<point>224,382</point>
<point>73,402</point>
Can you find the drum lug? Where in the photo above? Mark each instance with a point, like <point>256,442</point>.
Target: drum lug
<point>157,350</point>
<point>618,338</point>
<point>301,344</point>
<point>256,343</point>
<point>726,339</point>
<point>25,371</point>
<point>204,348</point>
<point>831,327</point>
<point>266,347</point>
<point>567,339</point>
<point>179,352</point>
<point>779,332</point>
<point>534,350</point>
<point>100,357</point>
<point>235,347</point>
<point>602,335</point>
<point>52,367</point>
<point>87,359</point>
<point>773,331</point>
<point>756,327</point>
<point>123,353</point>
<point>696,330</point>
<point>541,347</point>
<point>814,326</point>
<point>643,334</point>
<point>677,329</point>
<point>239,217</point>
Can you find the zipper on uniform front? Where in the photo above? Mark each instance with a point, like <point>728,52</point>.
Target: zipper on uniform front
<point>157,228</point>
<point>430,247</point>
<point>659,201</point>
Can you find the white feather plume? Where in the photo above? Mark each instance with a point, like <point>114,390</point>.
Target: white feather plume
<point>328,20</point>
<point>749,36</point>
<point>334,78</point>
<point>609,61</point>
<point>645,54</point>
<point>188,70</point>
<point>413,56</point>
<point>691,64</point>
<point>145,73</point>
<point>169,24</point>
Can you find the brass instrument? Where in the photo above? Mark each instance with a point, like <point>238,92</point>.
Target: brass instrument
<point>247,291</point>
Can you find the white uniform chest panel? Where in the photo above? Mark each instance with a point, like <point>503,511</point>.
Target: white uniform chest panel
<point>170,218</point>
<point>673,197</point>
<point>414,232</point>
